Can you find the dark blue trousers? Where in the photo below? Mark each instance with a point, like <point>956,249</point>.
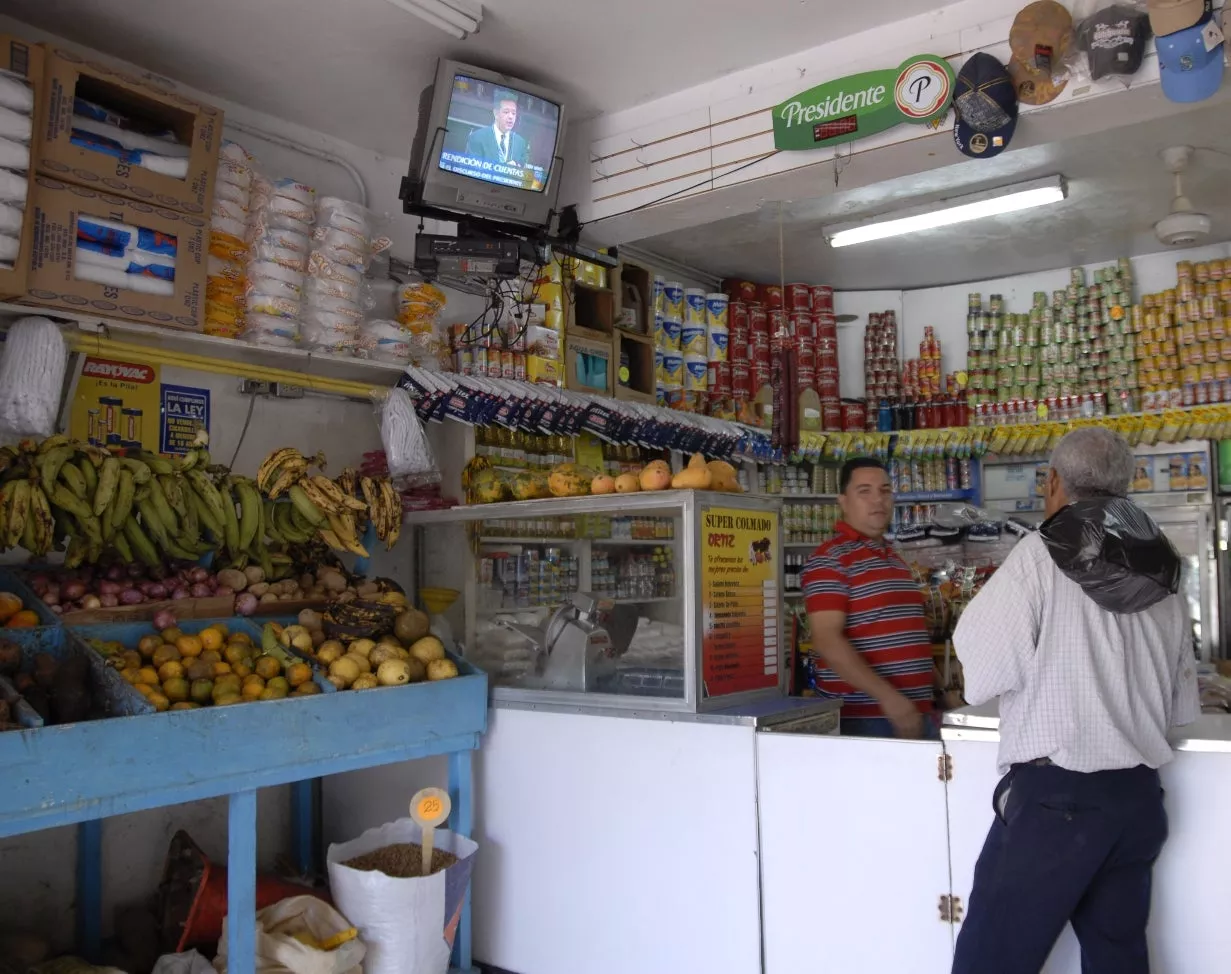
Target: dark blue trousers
<point>1065,847</point>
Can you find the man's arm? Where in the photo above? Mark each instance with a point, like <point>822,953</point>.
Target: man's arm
<point>828,631</point>
<point>998,631</point>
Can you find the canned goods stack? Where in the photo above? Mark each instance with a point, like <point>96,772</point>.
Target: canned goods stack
<point>1184,338</point>
<point>922,378</point>
<point>882,379</point>
<point>930,475</point>
<point>718,353</point>
<point>668,342</point>
<point>1059,361</point>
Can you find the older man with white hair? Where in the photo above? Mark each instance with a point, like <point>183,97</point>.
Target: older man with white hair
<point>1082,636</point>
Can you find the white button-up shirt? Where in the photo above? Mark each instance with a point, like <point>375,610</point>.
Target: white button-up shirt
<point>1090,689</point>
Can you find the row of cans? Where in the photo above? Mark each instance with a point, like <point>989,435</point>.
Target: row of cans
<point>490,362</point>
<point>806,298</point>
<point>917,476</point>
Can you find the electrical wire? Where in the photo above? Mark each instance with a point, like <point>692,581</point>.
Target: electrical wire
<point>244,432</point>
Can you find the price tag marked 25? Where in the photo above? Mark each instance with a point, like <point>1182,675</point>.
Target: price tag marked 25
<point>430,808</point>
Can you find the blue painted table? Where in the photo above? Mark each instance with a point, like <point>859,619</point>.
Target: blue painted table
<point>82,773</point>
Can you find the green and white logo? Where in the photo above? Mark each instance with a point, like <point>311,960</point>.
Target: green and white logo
<point>918,90</point>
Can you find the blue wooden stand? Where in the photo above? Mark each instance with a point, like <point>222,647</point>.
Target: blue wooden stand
<point>82,773</point>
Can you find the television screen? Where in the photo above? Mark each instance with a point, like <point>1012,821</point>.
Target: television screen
<point>499,135</point>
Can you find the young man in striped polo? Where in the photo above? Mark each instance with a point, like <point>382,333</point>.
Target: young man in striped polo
<point>865,611</point>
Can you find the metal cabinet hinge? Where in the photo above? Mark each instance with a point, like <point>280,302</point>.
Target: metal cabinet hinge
<point>950,908</point>
<point>944,768</point>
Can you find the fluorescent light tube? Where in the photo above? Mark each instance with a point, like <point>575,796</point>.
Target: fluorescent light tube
<point>439,15</point>
<point>961,209</point>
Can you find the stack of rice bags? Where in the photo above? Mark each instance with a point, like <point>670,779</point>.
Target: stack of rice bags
<point>16,126</point>
<point>226,280</point>
<point>279,242</point>
<point>336,297</point>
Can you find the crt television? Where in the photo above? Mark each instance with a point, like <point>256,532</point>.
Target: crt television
<point>488,146</point>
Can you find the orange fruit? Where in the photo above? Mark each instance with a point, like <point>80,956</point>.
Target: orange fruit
<point>176,690</point>
<point>267,667</point>
<point>160,702</point>
<point>164,654</point>
<point>185,705</point>
<point>148,644</point>
<point>25,619</point>
<point>298,674</point>
<point>143,688</point>
<point>222,669</point>
<point>242,668</point>
<point>189,645</point>
<point>171,670</point>
<point>211,656</point>
<point>252,691</point>
<point>149,676</point>
<point>10,605</point>
<point>210,638</point>
<point>234,653</point>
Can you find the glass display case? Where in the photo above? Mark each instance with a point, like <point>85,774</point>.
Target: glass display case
<point>667,600</point>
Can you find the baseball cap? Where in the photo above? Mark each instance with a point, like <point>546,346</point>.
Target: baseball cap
<point>986,107</point>
<point>1114,39</point>
<point>1188,69</point>
<point>1170,16</point>
<point>1040,38</point>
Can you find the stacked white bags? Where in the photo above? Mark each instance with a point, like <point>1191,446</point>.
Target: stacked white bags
<point>279,236</point>
<point>335,295</point>
<point>16,126</point>
<point>226,281</point>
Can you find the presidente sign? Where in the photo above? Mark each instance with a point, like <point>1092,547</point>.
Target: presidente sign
<point>918,90</point>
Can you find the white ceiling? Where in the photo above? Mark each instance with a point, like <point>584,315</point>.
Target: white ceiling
<point>354,68</point>
<point>1118,189</point>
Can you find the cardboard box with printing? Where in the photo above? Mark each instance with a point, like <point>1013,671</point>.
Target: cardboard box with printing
<point>20,103</point>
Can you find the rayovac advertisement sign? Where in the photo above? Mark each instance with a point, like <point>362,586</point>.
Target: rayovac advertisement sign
<point>918,90</point>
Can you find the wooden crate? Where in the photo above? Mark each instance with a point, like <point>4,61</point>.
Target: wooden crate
<point>639,387</point>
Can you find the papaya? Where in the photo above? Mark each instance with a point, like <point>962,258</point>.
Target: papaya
<point>724,477</point>
<point>627,483</point>
<point>656,475</point>
<point>488,488</point>
<point>695,476</point>
<point>569,480</point>
<point>529,486</point>
<point>603,484</point>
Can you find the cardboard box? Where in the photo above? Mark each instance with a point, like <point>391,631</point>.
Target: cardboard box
<point>588,366</point>
<point>26,61</point>
<point>197,126</point>
<point>54,207</point>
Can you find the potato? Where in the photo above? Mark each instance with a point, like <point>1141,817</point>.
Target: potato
<point>254,573</point>
<point>259,589</point>
<point>233,578</point>
<point>441,669</point>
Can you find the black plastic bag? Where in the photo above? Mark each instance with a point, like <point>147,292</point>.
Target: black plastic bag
<point>1114,551</point>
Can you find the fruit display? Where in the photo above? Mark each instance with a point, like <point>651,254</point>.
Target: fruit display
<point>15,615</point>
<point>333,510</point>
<point>57,689</point>
<point>93,587</point>
<point>482,484</point>
<point>176,670</point>
<point>404,654</point>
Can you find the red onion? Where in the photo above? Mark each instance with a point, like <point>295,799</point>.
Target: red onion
<point>71,590</point>
<point>109,601</point>
<point>245,604</point>
<point>221,590</point>
<point>198,574</point>
<point>155,590</point>
<point>39,583</point>
<point>181,593</point>
<point>131,596</point>
<point>110,588</point>
<point>115,573</point>
<point>56,609</point>
<point>91,602</point>
<point>164,619</point>
<point>51,598</point>
<point>135,570</point>
<point>200,591</point>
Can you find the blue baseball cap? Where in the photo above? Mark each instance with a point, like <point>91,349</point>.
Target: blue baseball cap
<point>985,102</point>
<point>1189,72</point>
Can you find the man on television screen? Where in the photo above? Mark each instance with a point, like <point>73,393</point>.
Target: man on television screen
<point>498,142</point>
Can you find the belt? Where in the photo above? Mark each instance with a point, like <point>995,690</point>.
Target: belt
<point>1041,762</point>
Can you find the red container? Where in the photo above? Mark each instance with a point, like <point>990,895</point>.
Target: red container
<point>826,358</point>
<point>758,320</point>
<point>741,381</point>
<point>798,298</point>
<point>805,356</point>
<point>827,328</point>
<point>745,291</point>
<point>719,385</point>
<point>831,414</point>
<point>737,345</point>
<point>771,296</point>
<point>760,376</point>
<point>758,348</point>
<point>805,378</point>
<point>827,383</point>
<point>854,415</point>
<point>822,299</point>
<point>737,316</point>
<point>778,324</point>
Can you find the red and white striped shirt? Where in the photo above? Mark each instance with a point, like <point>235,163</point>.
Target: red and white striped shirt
<point>870,582</point>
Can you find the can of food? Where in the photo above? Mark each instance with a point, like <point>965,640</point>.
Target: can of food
<point>831,414</point>
<point>758,349</point>
<point>744,291</point>
<point>771,296</point>
<point>673,300</point>
<point>758,320</point>
<point>826,357</point>
<point>802,326</point>
<point>741,381</point>
<point>693,340</point>
<point>737,345</point>
<point>827,383</point>
<point>672,334</point>
<point>694,306</point>
<point>778,324</point>
<point>805,378</point>
<point>737,316</point>
<point>760,375</point>
<point>822,299</point>
<point>719,379</point>
<point>826,326</point>
<point>717,310</point>
<point>672,375</point>
<point>798,297</point>
<point>854,415</point>
<point>805,356</point>
<point>520,372</point>
<point>717,343</point>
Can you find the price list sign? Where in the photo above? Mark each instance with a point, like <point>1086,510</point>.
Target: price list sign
<point>740,607</point>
